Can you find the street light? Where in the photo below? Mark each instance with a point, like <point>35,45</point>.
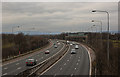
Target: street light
<point>95,27</point>
<point>100,23</point>
<point>101,29</point>
<point>107,31</point>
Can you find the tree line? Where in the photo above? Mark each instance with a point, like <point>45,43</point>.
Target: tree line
<point>15,44</point>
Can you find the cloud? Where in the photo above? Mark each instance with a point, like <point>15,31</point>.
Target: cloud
<point>57,17</point>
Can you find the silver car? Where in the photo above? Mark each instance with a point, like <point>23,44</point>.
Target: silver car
<point>73,51</point>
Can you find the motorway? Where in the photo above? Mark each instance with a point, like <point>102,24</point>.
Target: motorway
<point>18,66</point>
<point>71,64</point>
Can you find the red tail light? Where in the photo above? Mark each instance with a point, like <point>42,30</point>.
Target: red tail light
<point>31,62</point>
<point>26,62</point>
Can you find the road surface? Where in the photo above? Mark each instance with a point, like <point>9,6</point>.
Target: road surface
<point>19,66</point>
<point>71,64</point>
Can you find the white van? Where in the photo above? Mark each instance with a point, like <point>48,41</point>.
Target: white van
<point>76,47</point>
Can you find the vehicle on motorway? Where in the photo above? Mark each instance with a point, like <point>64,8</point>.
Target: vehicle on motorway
<point>71,44</point>
<point>68,42</point>
<point>73,51</point>
<point>31,62</point>
<point>57,41</point>
<point>76,47</point>
<point>47,52</point>
<point>55,46</point>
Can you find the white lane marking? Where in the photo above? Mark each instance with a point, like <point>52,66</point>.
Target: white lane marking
<point>77,63</point>
<point>78,59</point>
<point>60,68</point>
<point>19,68</point>
<point>5,68</point>
<point>71,74</point>
<point>17,64</point>
<point>65,64</point>
<point>67,60</point>
<point>89,58</point>
<point>30,55</point>
<point>56,62</point>
<point>5,74</point>
<point>75,68</point>
<point>54,75</point>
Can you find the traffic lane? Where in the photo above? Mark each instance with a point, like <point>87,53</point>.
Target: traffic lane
<point>71,65</point>
<point>20,64</point>
<point>24,68</point>
<point>84,63</point>
<point>53,70</point>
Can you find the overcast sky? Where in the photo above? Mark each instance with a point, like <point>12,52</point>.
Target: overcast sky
<point>57,17</point>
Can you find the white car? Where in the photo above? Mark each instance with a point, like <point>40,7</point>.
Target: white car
<point>71,44</point>
<point>73,51</point>
<point>47,52</point>
<point>55,46</point>
<point>58,43</point>
<point>76,47</point>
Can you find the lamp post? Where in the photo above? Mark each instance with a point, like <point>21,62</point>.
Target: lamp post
<point>101,29</point>
<point>95,27</point>
<point>107,31</point>
<point>100,24</point>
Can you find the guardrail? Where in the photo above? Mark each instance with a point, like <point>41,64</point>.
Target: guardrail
<point>26,53</point>
<point>39,68</point>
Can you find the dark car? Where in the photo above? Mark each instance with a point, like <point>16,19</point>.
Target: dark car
<point>31,62</point>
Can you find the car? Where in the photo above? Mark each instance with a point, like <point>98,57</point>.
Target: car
<point>58,43</point>
<point>71,44</point>
<point>55,46</point>
<point>73,51</point>
<point>76,47</point>
<point>47,52</point>
<point>31,62</point>
<point>68,42</point>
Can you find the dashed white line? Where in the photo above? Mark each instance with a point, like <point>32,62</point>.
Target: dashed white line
<point>75,68</point>
<point>19,68</point>
<point>5,74</point>
<point>67,60</point>
<point>71,74</point>
<point>79,57</point>
<point>5,68</point>
<point>65,64</point>
<point>78,60</point>
<point>17,64</point>
<point>77,63</point>
<point>60,68</point>
<point>54,75</point>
